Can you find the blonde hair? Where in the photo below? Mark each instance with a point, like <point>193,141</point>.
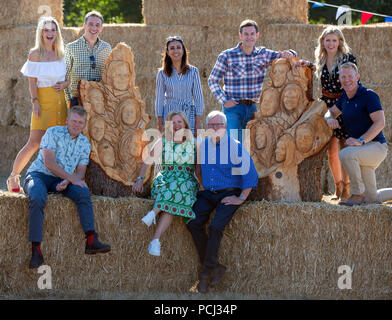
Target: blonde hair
<point>321,53</point>
<point>183,117</point>
<point>58,44</point>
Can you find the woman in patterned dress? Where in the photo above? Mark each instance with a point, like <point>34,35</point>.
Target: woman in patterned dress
<point>331,52</point>
<point>178,86</point>
<point>175,186</point>
<point>46,70</point>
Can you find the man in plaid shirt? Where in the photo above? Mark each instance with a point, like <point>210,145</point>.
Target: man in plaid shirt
<point>85,58</point>
<point>243,69</point>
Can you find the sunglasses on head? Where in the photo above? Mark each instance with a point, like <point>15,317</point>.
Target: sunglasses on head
<point>173,38</point>
<point>93,64</point>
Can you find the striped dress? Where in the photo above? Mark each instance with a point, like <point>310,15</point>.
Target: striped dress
<point>179,93</point>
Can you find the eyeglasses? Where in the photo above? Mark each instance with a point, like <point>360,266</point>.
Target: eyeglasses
<point>93,64</point>
<point>216,125</point>
<point>173,38</point>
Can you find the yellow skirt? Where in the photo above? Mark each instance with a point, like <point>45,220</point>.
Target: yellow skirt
<point>53,109</point>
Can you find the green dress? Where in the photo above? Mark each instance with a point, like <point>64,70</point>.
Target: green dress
<point>175,186</point>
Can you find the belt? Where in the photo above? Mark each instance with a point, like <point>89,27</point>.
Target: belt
<point>245,101</point>
<point>223,190</point>
<point>331,95</point>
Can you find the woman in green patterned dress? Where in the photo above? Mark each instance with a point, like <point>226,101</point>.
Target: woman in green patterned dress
<point>175,186</point>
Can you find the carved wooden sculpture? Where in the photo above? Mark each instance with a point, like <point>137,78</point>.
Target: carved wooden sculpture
<point>288,129</point>
<point>115,124</point>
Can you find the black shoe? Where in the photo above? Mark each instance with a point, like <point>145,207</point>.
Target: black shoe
<point>204,282</point>
<point>36,258</point>
<point>96,246</point>
<point>217,274</point>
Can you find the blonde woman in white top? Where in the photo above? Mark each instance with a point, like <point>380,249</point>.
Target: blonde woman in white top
<point>46,71</point>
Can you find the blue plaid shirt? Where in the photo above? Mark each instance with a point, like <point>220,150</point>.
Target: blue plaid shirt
<point>243,74</point>
<point>226,164</point>
<point>70,153</point>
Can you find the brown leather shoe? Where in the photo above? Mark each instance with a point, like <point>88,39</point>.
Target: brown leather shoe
<point>203,283</point>
<point>354,200</point>
<point>217,274</point>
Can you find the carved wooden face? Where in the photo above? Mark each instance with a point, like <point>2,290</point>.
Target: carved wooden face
<point>106,154</point>
<point>97,101</point>
<point>304,138</point>
<point>280,152</point>
<point>129,113</point>
<point>97,128</point>
<point>291,97</point>
<point>260,138</point>
<point>279,74</point>
<point>270,103</point>
<point>119,75</point>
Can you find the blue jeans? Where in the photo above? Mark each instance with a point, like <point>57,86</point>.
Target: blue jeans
<point>37,185</point>
<point>238,117</point>
<point>208,246</point>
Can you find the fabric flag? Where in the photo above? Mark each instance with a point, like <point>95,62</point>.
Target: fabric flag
<point>365,17</point>
<point>318,4</point>
<point>340,11</point>
<point>388,19</point>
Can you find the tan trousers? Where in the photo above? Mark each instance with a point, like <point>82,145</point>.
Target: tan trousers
<point>360,163</point>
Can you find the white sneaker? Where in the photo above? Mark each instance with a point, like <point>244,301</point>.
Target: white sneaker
<point>149,218</point>
<point>154,248</point>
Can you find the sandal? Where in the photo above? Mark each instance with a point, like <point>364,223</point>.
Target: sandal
<point>346,191</point>
<point>339,186</point>
<point>15,178</point>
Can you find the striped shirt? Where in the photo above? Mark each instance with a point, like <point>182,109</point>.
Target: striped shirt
<point>243,74</point>
<point>226,164</point>
<point>179,92</point>
<point>79,64</point>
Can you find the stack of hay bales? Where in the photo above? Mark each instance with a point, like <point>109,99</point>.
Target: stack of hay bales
<point>271,249</point>
<point>207,28</point>
<point>18,21</point>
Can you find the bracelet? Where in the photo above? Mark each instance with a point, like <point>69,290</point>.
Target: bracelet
<point>139,179</point>
<point>33,99</point>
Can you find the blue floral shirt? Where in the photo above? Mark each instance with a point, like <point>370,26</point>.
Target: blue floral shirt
<point>70,153</point>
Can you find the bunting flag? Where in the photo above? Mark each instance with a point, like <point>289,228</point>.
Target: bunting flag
<point>318,5</point>
<point>340,11</point>
<point>365,17</point>
<point>343,9</point>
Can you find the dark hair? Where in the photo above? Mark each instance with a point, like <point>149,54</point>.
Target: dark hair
<point>167,61</point>
<point>79,110</point>
<point>249,23</point>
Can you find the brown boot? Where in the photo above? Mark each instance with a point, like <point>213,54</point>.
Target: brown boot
<point>338,190</point>
<point>354,200</point>
<point>346,192</point>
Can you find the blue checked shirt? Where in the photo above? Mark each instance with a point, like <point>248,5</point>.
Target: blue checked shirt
<point>226,164</point>
<point>70,153</point>
<point>242,74</point>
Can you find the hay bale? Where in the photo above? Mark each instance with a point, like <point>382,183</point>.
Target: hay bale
<point>13,139</point>
<point>27,12</point>
<point>287,251</point>
<point>223,13</point>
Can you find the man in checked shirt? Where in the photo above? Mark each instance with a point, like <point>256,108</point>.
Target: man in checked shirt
<point>243,69</point>
<point>85,58</point>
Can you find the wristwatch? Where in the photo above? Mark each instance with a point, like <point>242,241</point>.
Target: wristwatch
<point>362,140</point>
<point>33,99</point>
<point>242,197</point>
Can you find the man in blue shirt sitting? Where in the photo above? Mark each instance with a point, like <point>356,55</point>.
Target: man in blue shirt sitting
<point>228,175</point>
<point>364,119</point>
<point>60,168</point>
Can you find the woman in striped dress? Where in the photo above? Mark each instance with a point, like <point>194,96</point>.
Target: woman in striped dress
<point>178,86</point>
